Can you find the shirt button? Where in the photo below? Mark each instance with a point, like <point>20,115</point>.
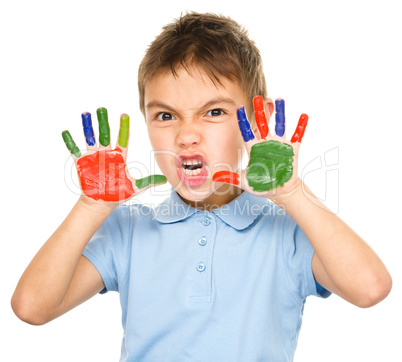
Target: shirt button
<point>202,241</point>
<point>206,221</point>
<point>201,267</point>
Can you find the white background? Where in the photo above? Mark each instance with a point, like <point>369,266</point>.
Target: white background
<point>339,62</point>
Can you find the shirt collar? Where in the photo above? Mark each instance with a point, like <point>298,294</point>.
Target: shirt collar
<point>239,213</point>
<point>173,209</point>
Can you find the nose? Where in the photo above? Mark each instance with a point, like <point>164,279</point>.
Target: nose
<point>188,135</point>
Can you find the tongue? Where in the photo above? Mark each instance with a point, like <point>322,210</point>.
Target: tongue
<point>192,167</point>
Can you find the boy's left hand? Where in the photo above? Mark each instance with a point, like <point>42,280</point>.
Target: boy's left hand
<point>272,168</point>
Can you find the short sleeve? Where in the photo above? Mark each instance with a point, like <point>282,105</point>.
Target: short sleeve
<point>109,248</point>
<point>297,257</point>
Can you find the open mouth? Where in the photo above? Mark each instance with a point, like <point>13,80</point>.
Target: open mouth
<point>192,169</point>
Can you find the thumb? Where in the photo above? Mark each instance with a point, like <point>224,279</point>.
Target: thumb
<point>227,177</point>
<point>152,180</point>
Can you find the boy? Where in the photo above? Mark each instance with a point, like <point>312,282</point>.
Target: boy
<point>219,271</point>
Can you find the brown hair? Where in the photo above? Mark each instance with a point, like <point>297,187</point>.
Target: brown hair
<point>216,43</point>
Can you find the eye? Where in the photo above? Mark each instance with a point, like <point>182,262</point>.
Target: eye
<point>215,112</point>
<point>164,116</point>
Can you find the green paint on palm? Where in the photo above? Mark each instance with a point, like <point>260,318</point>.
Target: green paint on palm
<point>68,140</point>
<point>104,130</point>
<point>150,180</point>
<point>124,130</point>
<point>270,165</point>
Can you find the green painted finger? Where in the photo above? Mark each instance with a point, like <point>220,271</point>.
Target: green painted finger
<point>124,130</point>
<point>104,130</point>
<point>68,140</point>
<point>150,180</point>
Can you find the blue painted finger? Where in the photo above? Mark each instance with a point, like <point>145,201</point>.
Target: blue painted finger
<point>88,130</point>
<point>280,117</point>
<point>244,125</point>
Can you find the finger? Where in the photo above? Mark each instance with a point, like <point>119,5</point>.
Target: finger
<point>245,128</point>
<point>88,130</point>
<point>228,177</point>
<point>104,130</point>
<point>72,147</point>
<point>260,116</point>
<point>301,127</point>
<point>152,180</point>
<point>124,133</point>
<point>280,117</point>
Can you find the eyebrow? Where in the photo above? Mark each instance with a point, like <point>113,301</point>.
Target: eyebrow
<point>209,104</point>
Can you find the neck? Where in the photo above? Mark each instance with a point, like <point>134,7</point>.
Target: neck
<point>226,194</point>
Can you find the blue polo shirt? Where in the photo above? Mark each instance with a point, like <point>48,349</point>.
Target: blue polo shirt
<point>226,285</point>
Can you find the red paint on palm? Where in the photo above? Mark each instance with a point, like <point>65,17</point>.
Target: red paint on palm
<point>103,176</point>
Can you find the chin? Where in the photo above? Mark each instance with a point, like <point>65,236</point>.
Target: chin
<point>195,193</point>
<point>192,185</point>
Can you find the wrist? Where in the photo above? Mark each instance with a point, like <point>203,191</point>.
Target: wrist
<point>282,199</point>
<point>299,199</point>
<point>99,207</point>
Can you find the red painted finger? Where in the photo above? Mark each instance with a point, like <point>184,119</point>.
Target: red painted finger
<point>301,127</point>
<point>260,116</point>
<point>227,177</point>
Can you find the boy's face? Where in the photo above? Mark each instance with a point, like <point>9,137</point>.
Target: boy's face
<point>192,125</point>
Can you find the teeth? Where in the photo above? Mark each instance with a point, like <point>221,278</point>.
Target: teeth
<point>191,162</point>
<point>192,172</point>
<point>194,162</point>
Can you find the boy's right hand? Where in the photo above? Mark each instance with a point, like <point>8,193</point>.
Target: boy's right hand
<point>102,172</point>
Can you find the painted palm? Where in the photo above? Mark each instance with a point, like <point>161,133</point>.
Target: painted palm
<point>102,171</point>
<point>272,167</point>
